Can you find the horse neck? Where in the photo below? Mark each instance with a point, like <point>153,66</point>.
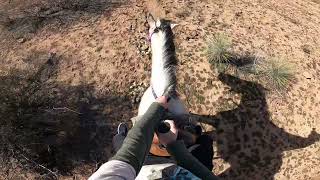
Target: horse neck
<point>163,62</point>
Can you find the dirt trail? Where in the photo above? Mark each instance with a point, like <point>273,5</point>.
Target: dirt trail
<point>93,58</point>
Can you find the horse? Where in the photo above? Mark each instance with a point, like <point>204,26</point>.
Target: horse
<point>163,80</point>
<point>163,73</point>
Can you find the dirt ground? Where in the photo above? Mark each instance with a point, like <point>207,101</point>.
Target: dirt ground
<point>71,70</point>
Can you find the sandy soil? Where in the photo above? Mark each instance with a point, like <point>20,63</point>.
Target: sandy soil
<point>70,70</point>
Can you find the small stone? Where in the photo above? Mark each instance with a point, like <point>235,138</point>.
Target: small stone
<point>21,40</point>
<point>307,75</point>
<point>144,47</point>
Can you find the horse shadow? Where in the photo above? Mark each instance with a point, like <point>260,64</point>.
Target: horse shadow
<point>247,138</point>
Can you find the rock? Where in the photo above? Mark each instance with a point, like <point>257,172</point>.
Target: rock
<point>144,47</point>
<point>307,75</point>
<point>21,40</point>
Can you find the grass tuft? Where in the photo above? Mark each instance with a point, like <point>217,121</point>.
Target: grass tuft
<point>218,51</point>
<point>278,72</point>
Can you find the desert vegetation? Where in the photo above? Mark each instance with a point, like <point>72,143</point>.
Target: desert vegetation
<point>275,72</point>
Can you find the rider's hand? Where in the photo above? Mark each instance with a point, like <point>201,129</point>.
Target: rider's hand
<point>169,137</point>
<point>163,101</point>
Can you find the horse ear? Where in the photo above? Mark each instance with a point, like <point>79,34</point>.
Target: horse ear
<point>151,20</point>
<point>173,25</point>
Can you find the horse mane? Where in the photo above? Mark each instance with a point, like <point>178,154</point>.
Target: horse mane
<point>169,57</point>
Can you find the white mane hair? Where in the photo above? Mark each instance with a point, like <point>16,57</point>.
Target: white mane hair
<point>163,73</point>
